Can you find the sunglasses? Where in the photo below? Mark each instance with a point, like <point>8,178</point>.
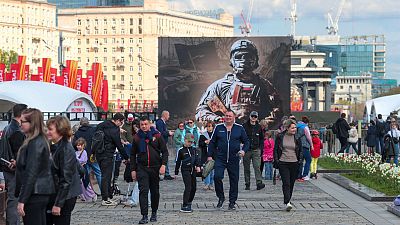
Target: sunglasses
<point>24,121</point>
<point>254,116</point>
<point>190,122</point>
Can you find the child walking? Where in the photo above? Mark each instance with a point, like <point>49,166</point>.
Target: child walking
<point>268,155</point>
<point>88,195</point>
<point>188,160</point>
<point>315,153</point>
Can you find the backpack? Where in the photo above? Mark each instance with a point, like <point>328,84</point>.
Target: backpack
<point>98,142</point>
<point>335,128</point>
<point>380,129</point>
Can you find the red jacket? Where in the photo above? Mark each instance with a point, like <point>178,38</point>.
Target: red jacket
<point>317,147</point>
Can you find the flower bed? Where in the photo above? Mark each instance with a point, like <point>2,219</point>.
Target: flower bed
<point>381,177</point>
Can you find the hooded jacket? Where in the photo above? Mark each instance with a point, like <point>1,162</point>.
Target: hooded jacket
<point>193,130</point>
<point>86,132</point>
<point>225,145</point>
<point>112,140</point>
<point>342,128</point>
<point>303,133</point>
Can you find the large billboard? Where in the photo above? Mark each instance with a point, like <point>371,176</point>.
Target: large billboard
<point>202,78</point>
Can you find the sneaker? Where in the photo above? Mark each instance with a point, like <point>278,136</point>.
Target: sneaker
<point>306,178</point>
<point>247,188</point>
<point>260,186</point>
<point>168,178</point>
<point>94,199</point>
<point>186,209</point>
<point>206,187</point>
<point>300,180</point>
<point>232,206</point>
<point>220,203</point>
<point>129,203</point>
<point>153,217</point>
<point>144,220</point>
<point>289,207</point>
<point>108,203</point>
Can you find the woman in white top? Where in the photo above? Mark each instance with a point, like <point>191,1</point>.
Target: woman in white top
<point>352,139</point>
<point>394,132</point>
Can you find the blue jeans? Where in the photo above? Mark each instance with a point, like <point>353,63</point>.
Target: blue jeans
<point>268,170</point>
<point>209,180</point>
<point>96,169</point>
<point>379,145</point>
<point>396,155</point>
<point>306,156</point>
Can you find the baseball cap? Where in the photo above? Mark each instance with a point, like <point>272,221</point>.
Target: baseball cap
<point>130,117</point>
<point>84,121</point>
<point>254,113</point>
<point>189,137</point>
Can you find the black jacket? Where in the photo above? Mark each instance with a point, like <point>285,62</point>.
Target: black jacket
<point>342,128</point>
<point>33,174</point>
<point>85,132</point>
<point>11,141</point>
<point>156,153</point>
<point>112,140</point>
<point>203,146</point>
<point>255,135</point>
<point>65,172</point>
<point>187,159</point>
<point>278,148</point>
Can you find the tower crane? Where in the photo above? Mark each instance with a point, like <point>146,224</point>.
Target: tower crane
<point>333,25</point>
<point>246,27</point>
<point>293,17</point>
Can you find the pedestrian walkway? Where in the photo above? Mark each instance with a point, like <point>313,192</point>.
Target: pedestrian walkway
<point>315,202</point>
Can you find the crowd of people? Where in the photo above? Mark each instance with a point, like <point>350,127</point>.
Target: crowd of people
<point>47,166</point>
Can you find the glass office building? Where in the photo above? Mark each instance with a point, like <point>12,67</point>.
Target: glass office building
<point>380,86</point>
<point>65,4</point>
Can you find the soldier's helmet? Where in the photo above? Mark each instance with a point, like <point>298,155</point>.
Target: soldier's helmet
<point>244,55</point>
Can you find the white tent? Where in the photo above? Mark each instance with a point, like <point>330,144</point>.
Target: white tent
<point>382,105</point>
<point>47,97</point>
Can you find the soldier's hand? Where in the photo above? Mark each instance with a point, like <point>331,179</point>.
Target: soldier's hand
<point>133,174</point>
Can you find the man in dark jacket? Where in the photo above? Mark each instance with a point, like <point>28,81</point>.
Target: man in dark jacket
<point>11,142</point>
<point>112,140</point>
<point>380,131</point>
<point>161,126</point>
<point>225,147</point>
<point>148,159</point>
<point>342,133</point>
<point>86,132</point>
<point>256,138</point>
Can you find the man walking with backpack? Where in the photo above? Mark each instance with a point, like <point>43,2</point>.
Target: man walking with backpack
<point>10,143</point>
<point>380,132</point>
<point>105,140</point>
<point>341,128</point>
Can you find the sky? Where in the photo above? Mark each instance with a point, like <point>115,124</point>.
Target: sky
<point>359,17</point>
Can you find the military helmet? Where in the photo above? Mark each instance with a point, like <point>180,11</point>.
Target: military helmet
<point>244,45</point>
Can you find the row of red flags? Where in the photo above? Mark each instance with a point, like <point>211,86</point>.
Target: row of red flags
<point>93,84</point>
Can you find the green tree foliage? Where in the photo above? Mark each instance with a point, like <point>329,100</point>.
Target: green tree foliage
<point>393,91</point>
<point>8,57</point>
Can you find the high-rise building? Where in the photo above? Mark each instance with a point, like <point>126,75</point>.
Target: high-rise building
<point>28,27</point>
<point>63,4</point>
<point>125,41</point>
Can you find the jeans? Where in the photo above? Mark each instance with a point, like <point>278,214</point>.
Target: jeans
<point>233,172</point>
<point>252,155</point>
<point>396,155</point>
<point>12,216</point>
<point>288,172</point>
<point>149,180</point>
<point>106,167</point>
<point>35,210</point>
<point>343,144</point>
<point>302,172</point>
<point>209,180</point>
<point>65,214</point>
<point>268,170</point>
<point>354,145</point>
<point>379,145</point>
<point>96,170</point>
<point>314,164</point>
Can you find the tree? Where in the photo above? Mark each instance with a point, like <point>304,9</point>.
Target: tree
<point>392,91</point>
<point>8,57</point>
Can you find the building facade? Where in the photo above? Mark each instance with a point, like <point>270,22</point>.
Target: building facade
<point>381,86</point>
<point>125,41</point>
<point>28,27</point>
<point>310,82</point>
<point>63,4</point>
<point>353,89</point>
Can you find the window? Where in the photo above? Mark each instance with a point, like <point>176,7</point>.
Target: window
<point>113,68</point>
<point>140,30</point>
<point>113,77</point>
<point>130,31</point>
<point>122,59</point>
<point>105,76</point>
<point>87,49</point>
<point>122,77</point>
<point>79,22</point>
<point>96,41</point>
<point>358,87</point>
<point>130,58</point>
<point>122,21</point>
<point>131,40</point>
<point>140,96</point>
<point>131,77</point>
<point>96,31</point>
<point>140,77</point>
<point>96,59</point>
<point>79,59</point>
<point>114,21</point>
<point>105,50</point>
<point>140,59</point>
<point>114,41</point>
<point>87,41</point>
<point>122,31</point>
<point>131,87</point>
<point>79,50</point>
<point>113,49</point>
<point>113,59</point>
<point>79,32</point>
<point>122,41</point>
<point>140,49</point>
<point>131,69</point>
<point>105,69</point>
<point>341,87</point>
<point>88,60</point>
<point>140,87</point>
<point>131,21</point>
<point>87,21</point>
<point>105,31</point>
<point>140,40</point>
<point>296,61</point>
<point>105,40</point>
<point>131,96</point>
<point>113,96</point>
<point>96,50</point>
<point>105,21</point>
<point>122,96</point>
<point>79,41</point>
<point>140,69</point>
<point>140,21</point>
<point>105,59</point>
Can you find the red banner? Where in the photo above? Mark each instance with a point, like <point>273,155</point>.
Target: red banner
<point>2,72</point>
<point>97,82</point>
<point>84,86</point>
<point>118,105</point>
<point>40,73</point>
<point>73,72</point>
<point>65,75</point>
<point>104,95</point>
<point>79,80</point>
<point>46,64</point>
<point>90,77</point>
<point>8,77</point>
<point>53,75</point>
<point>296,106</point>
<point>35,77</point>
<point>26,75</point>
<point>21,67</point>
<point>129,104</point>
<point>14,71</point>
<point>144,105</point>
<point>60,80</point>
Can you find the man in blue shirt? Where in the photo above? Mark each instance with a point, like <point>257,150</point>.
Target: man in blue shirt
<point>225,148</point>
<point>161,126</point>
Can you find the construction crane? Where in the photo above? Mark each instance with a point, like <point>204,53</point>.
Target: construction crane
<point>333,25</point>
<point>246,27</point>
<point>293,17</point>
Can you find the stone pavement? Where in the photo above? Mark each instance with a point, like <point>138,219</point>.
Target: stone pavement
<point>312,205</point>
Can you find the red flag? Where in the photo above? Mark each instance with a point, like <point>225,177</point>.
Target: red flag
<point>84,86</point>
<point>90,78</point>
<point>104,95</point>
<point>46,64</point>
<point>97,82</point>
<point>35,77</point>
<point>40,73</point>
<point>53,75</point>
<point>118,105</point>
<point>79,80</point>
<point>73,71</point>
<point>26,75</point>
<point>65,75</point>
<point>14,71</point>
<point>60,80</point>
<point>8,77</point>
<point>144,105</point>
<point>21,67</point>
<point>2,72</point>
<point>151,105</point>
<point>129,104</point>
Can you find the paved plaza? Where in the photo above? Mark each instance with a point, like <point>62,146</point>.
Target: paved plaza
<point>315,202</point>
